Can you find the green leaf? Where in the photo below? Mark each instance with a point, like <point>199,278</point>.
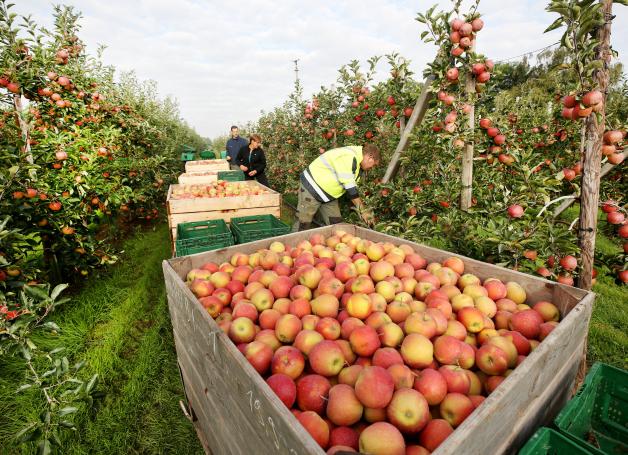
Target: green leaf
<point>26,433</point>
<point>44,447</point>
<point>51,325</point>
<point>67,410</point>
<point>58,290</point>
<point>36,292</point>
<point>556,24</point>
<point>92,383</point>
<point>13,170</point>
<point>23,387</point>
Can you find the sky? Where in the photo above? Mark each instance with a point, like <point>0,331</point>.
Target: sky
<point>227,61</point>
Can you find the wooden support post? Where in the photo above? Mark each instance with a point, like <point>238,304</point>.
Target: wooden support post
<point>592,156</point>
<point>420,108</point>
<point>24,127</point>
<point>467,156</point>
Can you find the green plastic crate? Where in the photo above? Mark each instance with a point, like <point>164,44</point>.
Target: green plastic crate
<point>208,155</point>
<point>257,227</point>
<point>187,156</point>
<point>551,442</point>
<point>202,236</point>
<point>597,417</point>
<point>230,176</point>
<point>223,155</point>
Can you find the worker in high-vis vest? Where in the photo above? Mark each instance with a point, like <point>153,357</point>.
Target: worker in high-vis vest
<point>328,177</point>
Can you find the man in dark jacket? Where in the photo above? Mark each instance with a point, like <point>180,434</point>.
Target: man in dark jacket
<point>234,144</point>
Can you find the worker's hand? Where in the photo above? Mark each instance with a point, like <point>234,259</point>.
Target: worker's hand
<point>367,217</point>
<point>252,173</point>
<point>244,168</point>
<point>228,158</point>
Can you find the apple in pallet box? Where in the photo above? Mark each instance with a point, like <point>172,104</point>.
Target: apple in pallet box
<point>408,410</point>
<point>455,408</point>
<point>417,351</point>
<point>343,406</point>
<point>385,357</point>
<point>364,341</point>
<point>382,437</point>
<point>390,334</point>
<point>289,361</point>
<point>434,433</point>
<point>259,356</point>
<point>402,375</point>
<point>306,340</point>
<point>526,322</point>
<point>344,439</point>
<point>374,387</point>
<point>312,393</point>
<point>326,358</point>
<point>287,328</point>
<point>315,426</point>
<point>284,387</point>
<point>330,328</point>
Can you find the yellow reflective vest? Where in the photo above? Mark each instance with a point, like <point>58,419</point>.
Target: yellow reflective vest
<point>333,173</point>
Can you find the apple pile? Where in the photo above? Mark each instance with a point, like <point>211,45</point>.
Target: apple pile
<point>220,188</point>
<point>370,346</point>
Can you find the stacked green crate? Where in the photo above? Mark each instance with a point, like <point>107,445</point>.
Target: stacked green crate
<point>597,417</point>
<point>200,236</point>
<point>257,227</point>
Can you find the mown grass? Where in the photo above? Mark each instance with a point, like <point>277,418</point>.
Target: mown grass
<point>119,323</point>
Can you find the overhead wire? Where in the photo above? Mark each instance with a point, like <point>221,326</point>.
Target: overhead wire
<point>536,51</point>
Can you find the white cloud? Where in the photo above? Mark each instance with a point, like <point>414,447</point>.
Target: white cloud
<point>225,61</point>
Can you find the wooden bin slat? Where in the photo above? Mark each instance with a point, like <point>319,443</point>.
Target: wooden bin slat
<point>206,165</point>
<point>190,178</point>
<point>529,397</point>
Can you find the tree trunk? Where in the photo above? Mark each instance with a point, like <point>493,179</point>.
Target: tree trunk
<point>595,125</point>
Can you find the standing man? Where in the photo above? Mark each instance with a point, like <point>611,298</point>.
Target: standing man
<point>234,144</point>
<point>328,177</point>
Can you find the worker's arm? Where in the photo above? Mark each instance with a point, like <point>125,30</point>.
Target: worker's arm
<point>365,213</point>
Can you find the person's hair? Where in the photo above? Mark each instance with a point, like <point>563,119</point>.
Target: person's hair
<point>372,151</point>
<point>234,127</point>
<point>255,137</point>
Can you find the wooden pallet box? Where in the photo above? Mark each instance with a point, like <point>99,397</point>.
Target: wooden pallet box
<point>234,410</point>
<point>206,165</point>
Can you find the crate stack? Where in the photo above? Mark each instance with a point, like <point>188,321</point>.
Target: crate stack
<point>204,223</point>
<point>594,421</point>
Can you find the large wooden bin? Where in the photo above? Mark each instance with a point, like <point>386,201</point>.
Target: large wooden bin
<point>235,412</point>
<point>224,208</point>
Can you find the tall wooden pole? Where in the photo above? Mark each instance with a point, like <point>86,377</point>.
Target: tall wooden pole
<point>467,156</point>
<point>420,108</point>
<point>595,125</point>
